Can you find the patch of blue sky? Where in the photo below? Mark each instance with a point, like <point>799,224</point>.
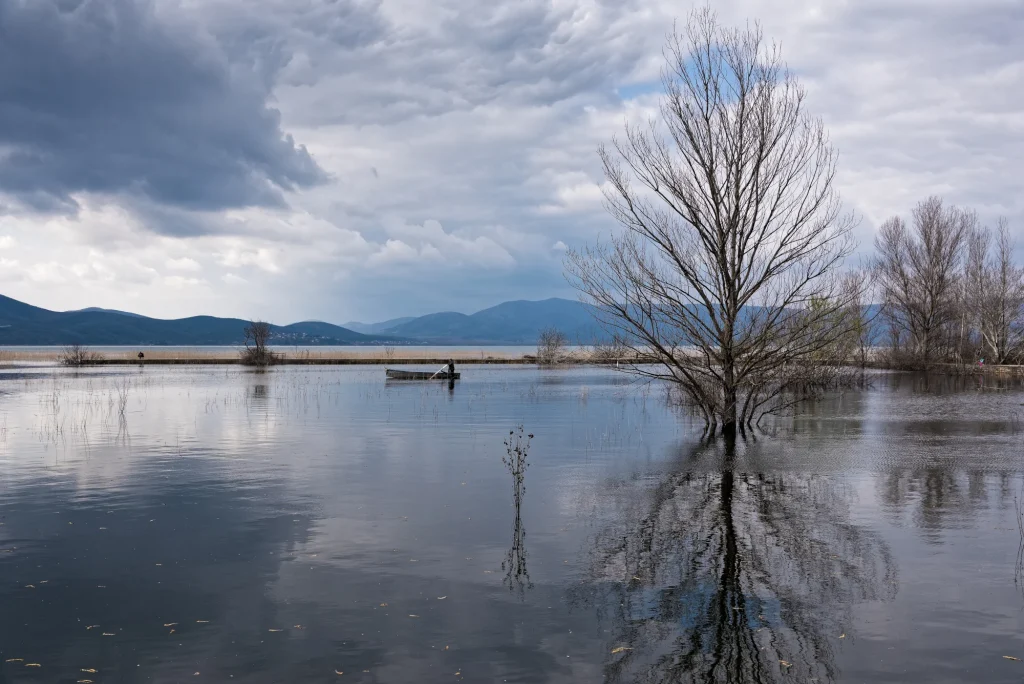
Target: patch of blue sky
<point>631,91</point>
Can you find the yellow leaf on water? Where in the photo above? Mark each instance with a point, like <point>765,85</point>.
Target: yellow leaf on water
<point>620,649</point>
<point>1011,658</point>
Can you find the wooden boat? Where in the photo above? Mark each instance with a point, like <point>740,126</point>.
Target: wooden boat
<point>418,375</point>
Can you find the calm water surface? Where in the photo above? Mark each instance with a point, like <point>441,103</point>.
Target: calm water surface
<point>321,525</point>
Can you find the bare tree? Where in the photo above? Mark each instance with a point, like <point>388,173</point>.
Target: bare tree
<point>995,292</point>
<point>77,355</point>
<point>257,338</point>
<point>732,229</point>
<point>551,346</point>
<point>918,276</point>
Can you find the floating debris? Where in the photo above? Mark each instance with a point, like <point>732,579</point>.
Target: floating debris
<point>843,635</point>
<point>170,624</point>
<point>620,649</point>
<point>441,598</point>
<point>92,626</point>
<point>84,681</point>
<point>202,622</point>
<point>32,665</point>
<point>89,670</point>
<point>275,630</point>
<point>15,660</point>
<point>1011,658</point>
<point>785,664</point>
<point>109,634</point>
<point>414,616</point>
<point>338,672</point>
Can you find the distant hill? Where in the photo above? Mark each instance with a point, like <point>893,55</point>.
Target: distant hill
<point>373,328</point>
<point>512,323</point>
<point>23,324</point>
<point>123,313</point>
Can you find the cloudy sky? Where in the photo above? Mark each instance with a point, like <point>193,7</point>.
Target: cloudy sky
<point>364,159</point>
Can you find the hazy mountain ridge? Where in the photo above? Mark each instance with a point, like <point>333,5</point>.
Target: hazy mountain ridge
<point>510,323</point>
<point>24,324</point>
<point>515,323</point>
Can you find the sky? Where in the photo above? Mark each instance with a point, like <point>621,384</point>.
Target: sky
<point>366,159</point>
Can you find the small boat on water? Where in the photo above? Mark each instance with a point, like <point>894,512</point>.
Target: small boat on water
<point>419,375</point>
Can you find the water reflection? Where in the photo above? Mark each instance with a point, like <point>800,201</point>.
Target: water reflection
<point>937,498</point>
<point>517,575</point>
<point>716,575</point>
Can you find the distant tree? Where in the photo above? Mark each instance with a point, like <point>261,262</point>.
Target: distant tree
<point>918,273</point>
<point>732,230</point>
<point>77,355</point>
<point>551,346</point>
<point>995,293</point>
<point>257,338</point>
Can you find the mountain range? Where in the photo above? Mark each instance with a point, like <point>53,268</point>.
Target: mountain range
<point>24,324</point>
<point>510,323</point>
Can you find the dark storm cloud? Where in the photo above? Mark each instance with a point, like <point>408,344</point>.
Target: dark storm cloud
<point>110,96</point>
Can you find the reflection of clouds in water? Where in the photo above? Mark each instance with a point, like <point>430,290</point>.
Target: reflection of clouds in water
<point>728,576</point>
<point>166,545</point>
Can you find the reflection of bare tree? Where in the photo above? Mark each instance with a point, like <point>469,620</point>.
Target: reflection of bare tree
<point>722,576</point>
<point>938,497</point>
<point>517,576</point>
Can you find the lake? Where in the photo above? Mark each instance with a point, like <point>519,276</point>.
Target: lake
<point>317,524</point>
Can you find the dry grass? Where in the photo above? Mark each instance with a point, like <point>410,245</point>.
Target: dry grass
<point>358,355</point>
<point>201,355</point>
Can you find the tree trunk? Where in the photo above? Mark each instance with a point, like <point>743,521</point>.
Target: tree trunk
<point>729,421</point>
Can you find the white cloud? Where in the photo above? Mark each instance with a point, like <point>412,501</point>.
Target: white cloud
<point>183,264</point>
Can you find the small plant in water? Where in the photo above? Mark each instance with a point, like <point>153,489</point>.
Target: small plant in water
<point>517,448</point>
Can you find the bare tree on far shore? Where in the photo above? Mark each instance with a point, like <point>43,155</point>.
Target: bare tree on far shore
<point>994,289</point>
<point>551,346</point>
<point>918,272</point>
<point>732,230</point>
<point>77,355</point>
<point>257,338</point>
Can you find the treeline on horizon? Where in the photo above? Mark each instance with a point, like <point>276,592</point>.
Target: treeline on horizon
<point>949,287</point>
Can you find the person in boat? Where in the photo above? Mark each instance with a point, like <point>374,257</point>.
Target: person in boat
<point>451,369</point>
